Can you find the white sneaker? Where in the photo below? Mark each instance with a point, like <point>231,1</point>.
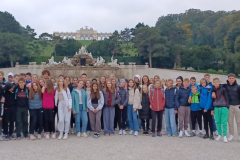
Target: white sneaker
<point>225,139</point>
<point>131,132</point>
<point>180,134</point>
<point>79,134</point>
<point>216,133</point>
<point>230,138</point>
<point>60,136</point>
<point>39,136</point>
<point>120,132</point>
<point>65,136</point>
<point>124,132</point>
<point>136,133</point>
<point>72,131</point>
<point>1,138</point>
<point>84,135</point>
<point>53,135</point>
<point>32,137</point>
<point>47,136</point>
<point>219,138</point>
<point>186,134</point>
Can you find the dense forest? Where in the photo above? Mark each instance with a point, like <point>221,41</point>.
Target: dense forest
<point>204,40</point>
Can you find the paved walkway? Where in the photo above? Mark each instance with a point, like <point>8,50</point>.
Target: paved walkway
<point>120,147</point>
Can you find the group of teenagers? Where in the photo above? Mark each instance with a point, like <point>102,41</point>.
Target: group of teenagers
<point>93,105</point>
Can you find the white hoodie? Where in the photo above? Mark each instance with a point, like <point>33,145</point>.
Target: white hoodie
<point>9,74</point>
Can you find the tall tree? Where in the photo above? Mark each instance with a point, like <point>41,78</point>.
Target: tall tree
<point>30,33</point>
<point>13,47</point>
<point>56,41</point>
<point>150,44</point>
<point>126,37</point>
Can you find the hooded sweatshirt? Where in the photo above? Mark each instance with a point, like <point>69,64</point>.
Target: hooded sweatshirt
<point>10,74</point>
<point>9,96</point>
<point>205,96</point>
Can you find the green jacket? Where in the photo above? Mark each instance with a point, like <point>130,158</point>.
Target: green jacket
<point>75,100</point>
<point>195,101</point>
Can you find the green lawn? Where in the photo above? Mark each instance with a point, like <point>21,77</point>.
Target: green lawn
<point>48,50</point>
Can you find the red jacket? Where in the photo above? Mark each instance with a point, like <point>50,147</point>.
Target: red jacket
<point>157,99</point>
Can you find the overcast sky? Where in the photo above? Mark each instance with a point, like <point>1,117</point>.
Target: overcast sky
<point>101,15</point>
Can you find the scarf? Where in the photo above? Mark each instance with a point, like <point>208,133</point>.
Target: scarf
<point>109,98</point>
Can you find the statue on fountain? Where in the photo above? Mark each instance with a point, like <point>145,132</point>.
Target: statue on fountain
<point>52,62</point>
<point>113,62</point>
<point>100,61</point>
<point>67,61</point>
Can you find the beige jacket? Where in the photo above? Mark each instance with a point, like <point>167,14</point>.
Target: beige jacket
<point>135,98</point>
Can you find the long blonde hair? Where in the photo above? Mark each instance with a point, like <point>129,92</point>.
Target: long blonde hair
<point>64,85</point>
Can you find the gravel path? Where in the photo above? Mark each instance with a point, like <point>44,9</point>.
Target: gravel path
<point>120,147</point>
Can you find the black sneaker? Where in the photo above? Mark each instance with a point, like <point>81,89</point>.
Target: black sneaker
<point>212,137</point>
<point>147,133</point>
<point>98,135</point>
<point>205,136</point>
<point>95,135</point>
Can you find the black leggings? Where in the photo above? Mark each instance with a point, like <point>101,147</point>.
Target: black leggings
<point>208,121</point>
<point>158,115</point>
<point>196,116</point>
<point>49,120</point>
<point>145,124</point>
<point>122,117</point>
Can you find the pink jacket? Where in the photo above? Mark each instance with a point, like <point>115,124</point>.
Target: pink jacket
<point>48,100</point>
<point>157,99</point>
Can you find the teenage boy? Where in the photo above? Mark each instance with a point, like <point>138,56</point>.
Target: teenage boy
<point>193,82</point>
<point>207,77</point>
<point>84,77</point>
<point>196,115</point>
<point>179,82</point>
<point>15,79</point>
<point>10,77</point>
<point>220,109</point>
<point>9,111</point>
<point>28,78</point>
<point>205,90</point>
<point>46,74</point>
<point>23,75</point>
<point>183,107</point>
<point>21,96</point>
<point>233,90</point>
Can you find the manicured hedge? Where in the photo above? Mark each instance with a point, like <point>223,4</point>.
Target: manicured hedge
<point>39,59</point>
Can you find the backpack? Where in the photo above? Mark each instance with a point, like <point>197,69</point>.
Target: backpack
<point>17,92</point>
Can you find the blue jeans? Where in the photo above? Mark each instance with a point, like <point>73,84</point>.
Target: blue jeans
<point>170,121</point>
<point>81,116</point>
<point>132,117</point>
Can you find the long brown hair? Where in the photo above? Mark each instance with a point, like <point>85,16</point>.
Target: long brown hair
<point>32,91</point>
<point>116,82</point>
<point>112,90</point>
<point>92,91</point>
<point>49,86</point>
<point>64,85</point>
<point>148,83</point>
<point>85,84</point>
<point>133,83</point>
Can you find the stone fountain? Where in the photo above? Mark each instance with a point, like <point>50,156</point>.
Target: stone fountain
<point>83,62</point>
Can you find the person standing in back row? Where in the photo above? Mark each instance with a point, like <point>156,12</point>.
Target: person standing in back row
<point>233,90</point>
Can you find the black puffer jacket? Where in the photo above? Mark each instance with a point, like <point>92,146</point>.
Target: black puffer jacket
<point>145,112</point>
<point>233,93</point>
